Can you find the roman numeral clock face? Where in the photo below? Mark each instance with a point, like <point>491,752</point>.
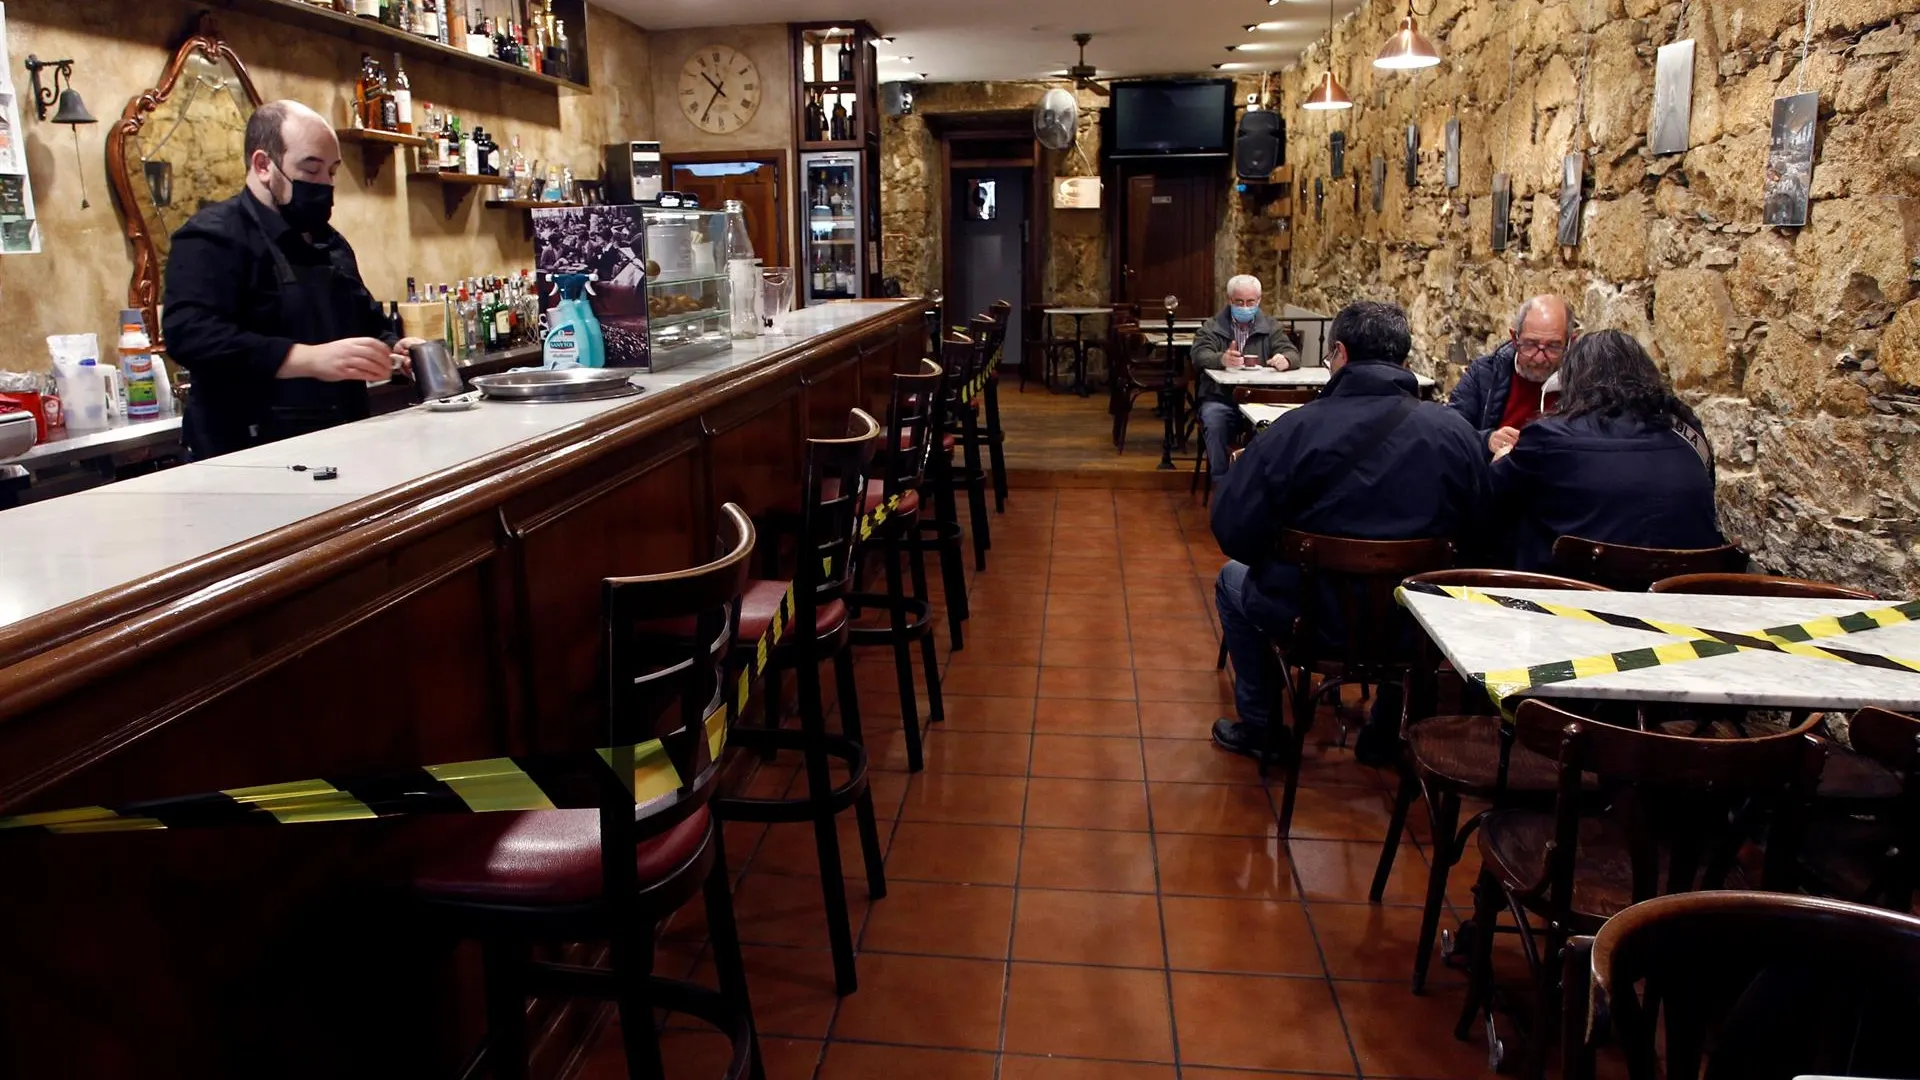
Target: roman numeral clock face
<point>719,89</point>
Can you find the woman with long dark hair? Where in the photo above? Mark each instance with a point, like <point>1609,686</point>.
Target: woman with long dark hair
<point>1622,461</point>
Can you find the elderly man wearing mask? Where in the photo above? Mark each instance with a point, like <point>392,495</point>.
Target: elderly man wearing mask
<point>1240,336</point>
<point>1508,389</point>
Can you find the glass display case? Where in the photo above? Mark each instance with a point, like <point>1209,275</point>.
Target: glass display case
<point>689,306</point>
<point>834,263</point>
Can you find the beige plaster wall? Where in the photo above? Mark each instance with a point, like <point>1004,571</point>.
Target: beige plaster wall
<point>398,227</point>
<point>1800,346</point>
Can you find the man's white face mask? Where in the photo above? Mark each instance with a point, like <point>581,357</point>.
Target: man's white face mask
<point>1551,386</point>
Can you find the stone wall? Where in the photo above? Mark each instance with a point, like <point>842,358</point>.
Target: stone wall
<point>399,228</point>
<point>1076,260</point>
<point>1800,346</point>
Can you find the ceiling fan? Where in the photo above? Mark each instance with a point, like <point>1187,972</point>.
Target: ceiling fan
<point>1083,74</point>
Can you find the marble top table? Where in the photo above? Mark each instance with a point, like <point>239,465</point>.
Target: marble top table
<point>1081,311</point>
<point>1523,653</point>
<point>1261,415</point>
<point>1300,376</point>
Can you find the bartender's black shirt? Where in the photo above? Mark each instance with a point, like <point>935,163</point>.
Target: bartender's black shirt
<point>233,311</point>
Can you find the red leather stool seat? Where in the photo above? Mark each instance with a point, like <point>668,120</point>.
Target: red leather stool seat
<point>541,857</point>
<point>762,599</point>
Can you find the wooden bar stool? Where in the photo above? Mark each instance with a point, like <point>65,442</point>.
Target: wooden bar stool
<point>939,530</point>
<point>912,414</point>
<point>515,880</point>
<point>1002,312</point>
<point>964,423</point>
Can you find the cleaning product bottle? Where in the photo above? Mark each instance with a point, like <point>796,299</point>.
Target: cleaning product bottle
<point>573,333</point>
<point>136,365</point>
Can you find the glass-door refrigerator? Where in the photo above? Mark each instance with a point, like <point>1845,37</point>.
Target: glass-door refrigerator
<point>835,266</point>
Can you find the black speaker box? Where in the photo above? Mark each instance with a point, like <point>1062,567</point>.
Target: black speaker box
<point>1260,146</point>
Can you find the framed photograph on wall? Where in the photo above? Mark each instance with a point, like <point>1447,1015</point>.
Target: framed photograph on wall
<point>1573,169</point>
<point>1453,153</point>
<point>1319,201</point>
<point>1337,152</point>
<point>1790,159</point>
<point>1672,98</point>
<point>1411,158</point>
<point>1379,183</point>
<point>1502,209</point>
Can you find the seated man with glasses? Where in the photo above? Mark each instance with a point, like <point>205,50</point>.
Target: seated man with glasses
<point>1505,391</point>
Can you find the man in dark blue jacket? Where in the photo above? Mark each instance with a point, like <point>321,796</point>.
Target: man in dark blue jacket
<point>1367,460</point>
<point>1504,391</point>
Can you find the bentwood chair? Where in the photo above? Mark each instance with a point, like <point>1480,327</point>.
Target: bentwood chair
<point>912,428</point>
<point>514,881</point>
<point>1754,985</point>
<point>1870,854</point>
<point>1450,758</point>
<point>1350,629</point>
<point>1136,372</point>
<point>1043,351</point>
<point>818,631</point>
<point>1674,807</point>
<point>1634,569</point>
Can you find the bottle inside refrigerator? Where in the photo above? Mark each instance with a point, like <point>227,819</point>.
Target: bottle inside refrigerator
<point>834,265</point>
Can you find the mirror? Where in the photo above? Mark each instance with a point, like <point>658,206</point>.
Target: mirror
<point>177,148</point>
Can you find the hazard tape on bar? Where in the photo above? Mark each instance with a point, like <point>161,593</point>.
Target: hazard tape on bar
<point>488,785</point>
<point>1792,639</point>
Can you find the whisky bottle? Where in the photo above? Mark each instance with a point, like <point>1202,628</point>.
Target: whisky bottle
<point>367,9</point>
<point>402,94</point>
<point>428,25</point>
<point>366,94</point>
<point>846,59</point>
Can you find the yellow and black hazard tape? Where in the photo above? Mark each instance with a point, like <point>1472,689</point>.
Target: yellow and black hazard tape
<point>1701,643</point>
<point>489,785</point>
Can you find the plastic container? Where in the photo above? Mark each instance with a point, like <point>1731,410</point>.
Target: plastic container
<point>76,370</point>
<point>137,364</point>
<point>573,332</point>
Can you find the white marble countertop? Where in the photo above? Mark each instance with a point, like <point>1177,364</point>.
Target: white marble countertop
<point>1261,415</point>
<point>1482,638</point>
<point>1301,376</point>
<point>64,549</point>
<point>1080,311</point>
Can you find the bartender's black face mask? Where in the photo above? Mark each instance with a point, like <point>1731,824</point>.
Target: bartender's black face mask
<point>309,205</point>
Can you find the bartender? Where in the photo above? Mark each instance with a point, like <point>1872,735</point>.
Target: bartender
<point>264,302</point>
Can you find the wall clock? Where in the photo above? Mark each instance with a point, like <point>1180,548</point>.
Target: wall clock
<point>719,89</point>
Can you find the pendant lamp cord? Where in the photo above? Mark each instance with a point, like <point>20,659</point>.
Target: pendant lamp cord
<point>1506,129</point>
<point>1806,39</point>
<point>1579,135</point>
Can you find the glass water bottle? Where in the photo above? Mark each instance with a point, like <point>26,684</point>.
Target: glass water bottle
<point>743,274</point>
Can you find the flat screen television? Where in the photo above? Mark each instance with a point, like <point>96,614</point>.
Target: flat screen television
<point>1191,117</point>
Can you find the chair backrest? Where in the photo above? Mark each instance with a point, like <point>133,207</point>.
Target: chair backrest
<point>1474,578</point>
<point>1759,985</point>
<point>1892,740</point>
<point>1757,585</point>
<point>986,332</point>
<point>1672,796</point>
<point>959,356</point>
<point>1634,569</point>
<point>669,664</point>
<point>914,410</point>
<point>1348,611</point>
<point>1001,311</point>
<point>835,478</point>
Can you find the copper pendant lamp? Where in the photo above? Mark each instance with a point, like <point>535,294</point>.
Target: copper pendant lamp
<point>1329,95</point>
<point>1408,49</point>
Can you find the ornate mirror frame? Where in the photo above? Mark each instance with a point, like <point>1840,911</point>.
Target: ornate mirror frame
<point>205,41</point>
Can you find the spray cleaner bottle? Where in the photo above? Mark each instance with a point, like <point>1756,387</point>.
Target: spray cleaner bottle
<point>573,331</point>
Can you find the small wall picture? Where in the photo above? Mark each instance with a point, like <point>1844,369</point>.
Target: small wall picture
<point>1790,159</point>
<point>1672,98</point>
<point>1337,150</point>
<point>1379,182</point>
<point>1502,208</point>
<point>983,203</point>
<point>1573,168</point>
<point>1319,201</point>
<point>1410,160</point>
<point>1453,153</point>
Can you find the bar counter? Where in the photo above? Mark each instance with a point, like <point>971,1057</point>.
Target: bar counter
<point>234,622</point>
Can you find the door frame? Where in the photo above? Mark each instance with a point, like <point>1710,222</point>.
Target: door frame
<point>1120,207</point>
<point>1005,126</point>
<point>782,176</point>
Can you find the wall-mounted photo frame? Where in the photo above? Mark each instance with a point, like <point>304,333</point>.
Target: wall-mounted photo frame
<point>1502,209</point>
<point>983,200</point>
<point>1790,159</point>
<point>1410,159</point>
<point>1076,193</point>
<point>1453,153</point>
<point>1319,201</point>
<point>1379,183</point>
<point>1337,153</point>
<point>1672,98</point>
<point>1573,169</point>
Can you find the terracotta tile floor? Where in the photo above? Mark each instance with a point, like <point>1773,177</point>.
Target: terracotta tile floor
<point>1080,885</point>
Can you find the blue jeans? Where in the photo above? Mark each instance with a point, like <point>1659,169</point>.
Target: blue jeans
<point>1218,422</point>
<point>1249,619</point>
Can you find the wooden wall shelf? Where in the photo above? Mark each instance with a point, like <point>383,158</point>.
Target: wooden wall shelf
<point>455,187</point>
<point>385,39</point>
<point>376,146</point>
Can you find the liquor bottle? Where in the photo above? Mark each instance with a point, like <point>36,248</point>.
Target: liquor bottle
<point>846,59</point>
<point>519,186</point>
<point>366,94</point>
<point>839,124</point>
<point>563,61</point>
<point>454,25</point>
<point>367,9</point>
<point>502,318</point>
<point>401,90</point>
<point>492,161</point>
<point>469,153</point>
<point>427,24</point>
<point>813,121</point>
<point>389,105</point>
<point>387,15</point>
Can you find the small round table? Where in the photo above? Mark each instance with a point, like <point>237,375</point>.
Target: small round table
<point>1079,341</point>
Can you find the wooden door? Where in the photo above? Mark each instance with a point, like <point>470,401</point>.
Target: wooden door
<point>1168,248</point>
<point>756,184</point>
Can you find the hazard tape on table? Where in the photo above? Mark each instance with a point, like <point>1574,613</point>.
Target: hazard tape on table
<point>484,786</point>
<point>1792,639</point>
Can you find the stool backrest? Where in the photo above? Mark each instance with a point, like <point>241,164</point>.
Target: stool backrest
<point>1672,797</point>
<point>1348,612</point>
<point>913,423</point>
<point>1634,569</point>
<point>835,475</point>
<point>959,355</point>
<point>1761,985</point>
<point>1757,585</point>
<point>670,676</point>
<point>986,333</point>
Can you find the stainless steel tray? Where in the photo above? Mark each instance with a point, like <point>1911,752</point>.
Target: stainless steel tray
<point>566,384</point>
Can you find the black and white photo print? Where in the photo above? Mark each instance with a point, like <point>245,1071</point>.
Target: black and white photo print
<point>1790,159</point>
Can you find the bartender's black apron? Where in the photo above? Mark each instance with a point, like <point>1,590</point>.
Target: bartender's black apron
<point>317,302</point>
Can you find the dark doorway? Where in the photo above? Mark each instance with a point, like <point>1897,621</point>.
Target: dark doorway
<point>756,178</point>
<point>1170,217</point>
<point>989,246</point>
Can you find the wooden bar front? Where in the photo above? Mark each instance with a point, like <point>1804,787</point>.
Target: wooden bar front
<point>453,621</point>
